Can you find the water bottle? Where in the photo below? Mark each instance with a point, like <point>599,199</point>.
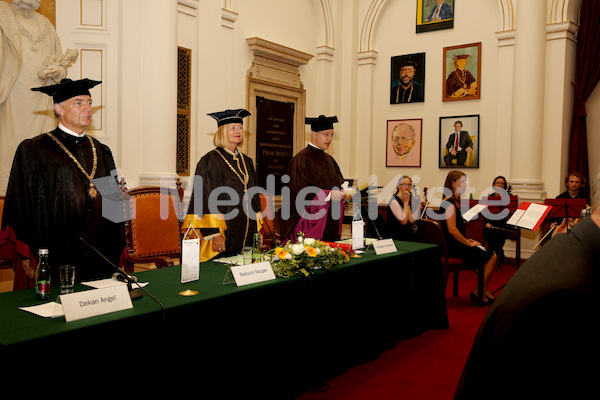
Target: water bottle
<point>42,276</point>
<point>256,253</point>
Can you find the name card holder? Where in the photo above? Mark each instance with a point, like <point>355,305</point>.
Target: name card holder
<point>384,246</point>
<point>90,303</point>
<point>252,273</point>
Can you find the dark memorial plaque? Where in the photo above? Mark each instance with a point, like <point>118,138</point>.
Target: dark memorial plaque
<point>274,140</point>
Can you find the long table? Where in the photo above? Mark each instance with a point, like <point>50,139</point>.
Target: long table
<point>274,339</point>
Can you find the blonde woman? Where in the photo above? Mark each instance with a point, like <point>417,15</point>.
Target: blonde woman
<point>223,211</point>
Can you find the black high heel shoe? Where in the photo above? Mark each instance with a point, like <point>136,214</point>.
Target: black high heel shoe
<point>487,301</point>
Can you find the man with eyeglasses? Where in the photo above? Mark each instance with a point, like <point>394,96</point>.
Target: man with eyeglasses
<point>316,170</point>
<point>403,139</point>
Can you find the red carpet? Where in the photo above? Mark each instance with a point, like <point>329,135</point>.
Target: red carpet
<point>422,368</point>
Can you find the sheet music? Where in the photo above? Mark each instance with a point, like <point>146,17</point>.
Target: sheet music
<point>472,213</point>
<point>514,220</point>
<point>532,216</point>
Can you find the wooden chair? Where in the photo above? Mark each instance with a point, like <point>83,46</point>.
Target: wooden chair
<point>431,232</point>
<point>269,230</point>
<point>150,239</point>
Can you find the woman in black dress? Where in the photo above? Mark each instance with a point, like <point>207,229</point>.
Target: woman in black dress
<point>402,212</point>
<point>453,225</point>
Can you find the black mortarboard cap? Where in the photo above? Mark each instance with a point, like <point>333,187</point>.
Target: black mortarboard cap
<point>230,116</point>
<point>67,88</point>
<point>322,123</point>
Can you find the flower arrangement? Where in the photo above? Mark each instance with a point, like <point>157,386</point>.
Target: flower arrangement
<point>303,256</point>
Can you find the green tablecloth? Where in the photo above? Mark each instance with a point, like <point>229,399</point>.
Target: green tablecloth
<point>273,339</point>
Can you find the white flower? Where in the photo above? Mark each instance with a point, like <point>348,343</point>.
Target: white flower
<point>288,256</point>
<point>309,241</point>
<point>318,250</point>
<point>300,239</point>
<point>297,249</point>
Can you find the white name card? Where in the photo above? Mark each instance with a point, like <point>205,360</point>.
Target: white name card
<point>384,246</point>
<point>190,260</point>
<point>90,303</point>
<point>252,273</point>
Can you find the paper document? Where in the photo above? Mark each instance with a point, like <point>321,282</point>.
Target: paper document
<point>47,310</point>
<point>472,213</point>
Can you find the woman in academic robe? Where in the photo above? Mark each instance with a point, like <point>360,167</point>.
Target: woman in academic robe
<point>403,211</point>
<point>453,225</point>
<point>220,206</point>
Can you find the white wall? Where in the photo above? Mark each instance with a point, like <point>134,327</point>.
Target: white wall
<point>363,35</point>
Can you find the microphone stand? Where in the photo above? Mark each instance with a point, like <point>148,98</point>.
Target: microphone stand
<point>133,293</point>
<point>119,274</point>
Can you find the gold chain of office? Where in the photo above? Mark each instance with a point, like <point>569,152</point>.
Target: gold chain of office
<point>92,191</point>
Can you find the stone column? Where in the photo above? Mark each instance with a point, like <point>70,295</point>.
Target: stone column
<point>527,125</point>
<point>528,101</point>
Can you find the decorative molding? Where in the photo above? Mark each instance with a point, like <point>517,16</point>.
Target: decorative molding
<point>562,30</point>
<point>228,18</point>
<point>276,63</point>
<point>506,38</point>
<point>507,15</point>
<point>188,7</point>
<point>368,27</point>
<point>563,11</point>
<point>367,57</point>
<point>325,53</point>
<point>92,15</point>
<point>325,29</point>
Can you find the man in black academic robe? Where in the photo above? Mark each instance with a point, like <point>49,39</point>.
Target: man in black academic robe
<point>313,167</point>
<point>51,201</point>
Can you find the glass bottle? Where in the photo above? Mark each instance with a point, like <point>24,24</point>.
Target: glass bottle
<point>256,253</point>
<point>42,276</point>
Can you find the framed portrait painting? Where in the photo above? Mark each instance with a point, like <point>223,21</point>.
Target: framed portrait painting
<point>459,142</point>
<point>462,72</point>
<point>433,15</point>
<point>404,142</point>
<point>407,79</point>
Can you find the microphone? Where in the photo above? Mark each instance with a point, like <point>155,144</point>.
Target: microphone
<point>119,274</point>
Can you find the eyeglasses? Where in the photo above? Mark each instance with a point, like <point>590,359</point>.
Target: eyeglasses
<point>406,184</point>
<point>328,135</point>
<point>397,139</point>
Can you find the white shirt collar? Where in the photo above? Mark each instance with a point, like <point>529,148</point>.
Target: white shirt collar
<point>315,146</point>
<point>70,132</point>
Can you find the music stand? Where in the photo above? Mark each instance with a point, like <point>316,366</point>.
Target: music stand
<point>566,208</point>
<point>511,233</point>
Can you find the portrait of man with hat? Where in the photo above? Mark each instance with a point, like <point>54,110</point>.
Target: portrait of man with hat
<point>407,79</point>
<point>462,72</point>
<point>51,200</point>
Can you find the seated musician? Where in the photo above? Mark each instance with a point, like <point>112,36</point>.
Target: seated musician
<point>453,226</point>
<point>575,190</point>
<point>496,237</point>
